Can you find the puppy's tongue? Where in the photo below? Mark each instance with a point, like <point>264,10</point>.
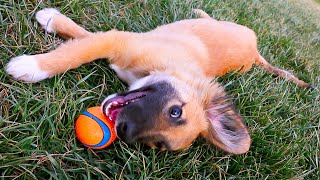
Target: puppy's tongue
<point>123,100</point>
<point>114,114</point>
<point>115,105</point>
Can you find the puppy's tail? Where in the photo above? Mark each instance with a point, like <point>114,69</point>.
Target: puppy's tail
<point>279,72</point>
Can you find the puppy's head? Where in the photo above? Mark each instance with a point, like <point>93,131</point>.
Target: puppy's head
<point>164,112</point>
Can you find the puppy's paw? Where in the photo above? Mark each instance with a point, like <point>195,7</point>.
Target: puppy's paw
<point>26,68</point>
<point>45,18</point>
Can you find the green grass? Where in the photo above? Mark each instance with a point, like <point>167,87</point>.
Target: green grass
<point>37,139</point>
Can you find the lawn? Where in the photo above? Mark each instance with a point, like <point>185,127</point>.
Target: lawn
<point>37,138</point>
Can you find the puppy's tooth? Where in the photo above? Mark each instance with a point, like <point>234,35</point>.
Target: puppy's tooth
<point>109,106</point>
<point>107,109</point>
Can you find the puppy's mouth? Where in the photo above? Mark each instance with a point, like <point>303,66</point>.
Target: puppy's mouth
<point>113,106</point>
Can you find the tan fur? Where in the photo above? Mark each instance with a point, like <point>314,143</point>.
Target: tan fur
<point>205,46</point>
<point>68,28</point>
<point>192,52</point>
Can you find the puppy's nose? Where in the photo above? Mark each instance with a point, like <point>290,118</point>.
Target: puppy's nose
<point>123,130</point>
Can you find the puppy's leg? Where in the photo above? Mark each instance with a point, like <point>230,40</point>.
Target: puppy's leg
<point>53,21</point>
<point>279,72</point>
<point>72,54</point>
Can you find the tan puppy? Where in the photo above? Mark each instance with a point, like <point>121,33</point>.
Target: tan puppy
<point>171,100</point>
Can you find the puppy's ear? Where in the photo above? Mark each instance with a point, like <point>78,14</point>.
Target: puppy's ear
<point>225,127</point>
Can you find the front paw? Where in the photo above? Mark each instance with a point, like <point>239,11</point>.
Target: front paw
<point>45,18</point>
<point>26,68</point>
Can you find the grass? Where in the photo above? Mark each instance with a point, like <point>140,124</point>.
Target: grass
<point>37,139</point>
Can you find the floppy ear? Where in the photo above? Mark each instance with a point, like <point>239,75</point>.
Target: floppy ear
<point>225,127</point>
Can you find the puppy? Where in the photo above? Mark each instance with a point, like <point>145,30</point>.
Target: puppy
<point>171,99</point>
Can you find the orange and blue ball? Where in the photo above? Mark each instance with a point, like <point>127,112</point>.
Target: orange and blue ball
<point>94,129</point>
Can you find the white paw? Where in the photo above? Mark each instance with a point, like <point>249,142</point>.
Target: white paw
<point>45,17</point>
<point>26,68</point>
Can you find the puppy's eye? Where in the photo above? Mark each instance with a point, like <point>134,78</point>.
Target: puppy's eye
<point>175,112</point>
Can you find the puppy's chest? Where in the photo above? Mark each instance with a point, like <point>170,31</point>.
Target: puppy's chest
<point>127,75</point>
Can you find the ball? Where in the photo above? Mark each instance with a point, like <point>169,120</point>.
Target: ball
<point>94,129</point>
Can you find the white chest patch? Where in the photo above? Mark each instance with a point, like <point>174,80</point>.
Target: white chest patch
<point>124,74</point>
